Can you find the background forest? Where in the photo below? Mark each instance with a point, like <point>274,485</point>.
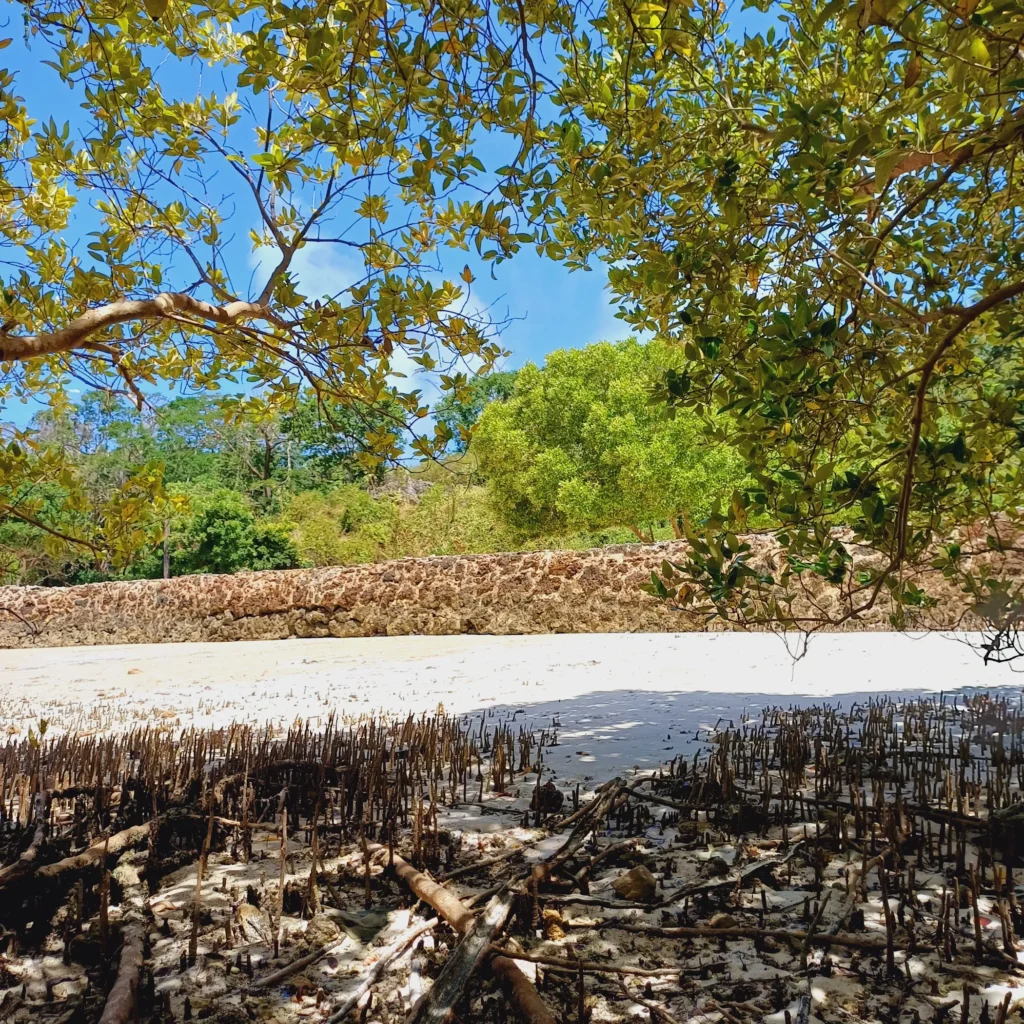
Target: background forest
<point>574,454</point>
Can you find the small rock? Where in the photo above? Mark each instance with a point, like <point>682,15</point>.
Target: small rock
<point>551,798</point>
<point>362,927</point>
<point>637,884</point>
<point>714,866</point>
<point>723,920</point>
<point>321,931</point>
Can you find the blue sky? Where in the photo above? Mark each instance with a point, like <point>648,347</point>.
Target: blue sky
<point>548,307</point>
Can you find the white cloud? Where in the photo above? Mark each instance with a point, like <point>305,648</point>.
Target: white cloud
<point>319,269</point>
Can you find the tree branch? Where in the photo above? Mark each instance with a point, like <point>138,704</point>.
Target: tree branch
<point>966,317</point>
<point>163,306</point>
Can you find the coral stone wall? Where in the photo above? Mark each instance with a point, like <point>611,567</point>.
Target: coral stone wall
<point>531,592</point>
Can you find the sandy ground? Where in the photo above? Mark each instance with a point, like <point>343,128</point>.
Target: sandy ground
<point>619,701</point>
<point>610,704</point>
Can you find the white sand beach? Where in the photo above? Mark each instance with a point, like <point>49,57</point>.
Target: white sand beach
<point>619,700</point>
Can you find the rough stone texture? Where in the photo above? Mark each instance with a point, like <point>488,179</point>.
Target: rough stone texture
<point>530,592</point>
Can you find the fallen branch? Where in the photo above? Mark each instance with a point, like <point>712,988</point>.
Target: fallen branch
<point>751,871</point>
<point>657,1012</point>
<point>587,965</point>
<point>520,992</point>
<point>588,806</point>
<point>517,987</point>
<point>561,899</point>
<point>709,932</point>
<point>447,904</point>
<point>438,1004</point>
<point>122,1002</point>
<point>297,964</point>
<point>468,869</point>
<point>25,864</point>
<point>584,873</point>
<point>388,957</point>
<point>595,810</point>
<point>91,857</point>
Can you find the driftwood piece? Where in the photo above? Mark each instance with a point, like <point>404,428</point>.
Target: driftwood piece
<point>120,1005</point>
<point>588,807</point>
<point>519,990</point>
<point>67,869</point>
<point>25,864</point>
<point>122,1001</point>
<point>562,899</point>
<point>388,957</point>
<point>708,932</point>
<point>447,904</point>
<point>437,1005</point>
<point>297,965</point>
<point>657,1012</point>
<point>584,873</point>
<point>594,812</point>
<point>468,869</point>
<point>757,869</point>
<point>588,965</point>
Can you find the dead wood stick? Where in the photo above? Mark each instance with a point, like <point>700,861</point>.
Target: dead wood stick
<point>666,802</point>
<point>919,810</point>
<point>751,871</point>
<point>805,949</point>
<point>438,1004</point>
<point>468,869</point>
<point>387,957</point>
<point>297,965</point>
<point>447,904</point>
<point>484,894</point>
<point>121,1006</point>
<point>263,826</point>
<point>856,877</point>
<point>518,989</point>
<point>279,934</point>
<point>24,864</point>
<point>730,1017</point>
<point>193,942</point>
<point>657,1012</point>
<point>707,932</point>
<point>561,899</point>
<point>595,810</point>
<point>526,1003</point>
<point>587,807</point>
<point>584,873</point>
<point>93,856</point>
<point>587,965</point>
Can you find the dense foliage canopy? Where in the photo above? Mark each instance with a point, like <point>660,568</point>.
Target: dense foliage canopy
<point>821,217</point>
<point>579,446</point>
<point>825,217</point>
<point>346,127</point>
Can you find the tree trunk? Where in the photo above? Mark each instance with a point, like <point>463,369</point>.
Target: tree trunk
<point>167,549</point>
